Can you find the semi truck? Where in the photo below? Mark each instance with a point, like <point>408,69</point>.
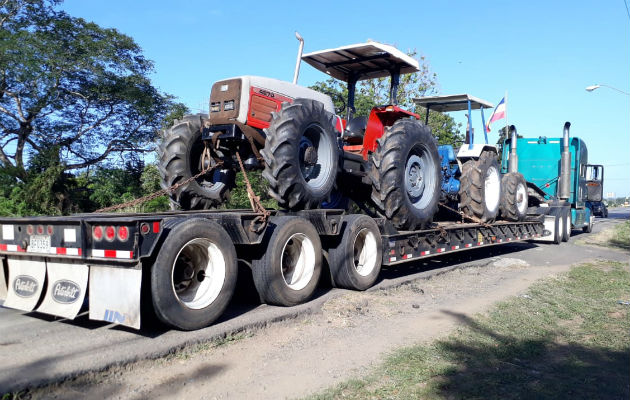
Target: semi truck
<point>183,264</point>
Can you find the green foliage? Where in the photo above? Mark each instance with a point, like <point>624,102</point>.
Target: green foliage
<point>239,199</point>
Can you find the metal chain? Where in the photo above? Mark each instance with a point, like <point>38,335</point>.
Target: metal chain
<point>261,221</point>
<point>464,216</point>
<point>162,192</point>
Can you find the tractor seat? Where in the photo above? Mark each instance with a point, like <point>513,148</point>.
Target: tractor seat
<point>355,130</point>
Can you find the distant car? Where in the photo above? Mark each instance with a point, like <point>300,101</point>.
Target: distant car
<point>600,209</point>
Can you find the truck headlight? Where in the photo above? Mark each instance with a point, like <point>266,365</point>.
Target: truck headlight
<point>215,107</point>
<point>228,105</point>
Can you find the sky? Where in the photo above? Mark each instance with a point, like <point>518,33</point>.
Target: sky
<point>542,53</point>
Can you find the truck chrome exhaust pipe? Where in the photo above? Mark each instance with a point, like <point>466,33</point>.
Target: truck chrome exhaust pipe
<point>564,189</point>
<point>513,163</point>
<point>299,58</point>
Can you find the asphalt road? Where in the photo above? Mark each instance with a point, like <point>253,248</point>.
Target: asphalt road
<point>37,349</point>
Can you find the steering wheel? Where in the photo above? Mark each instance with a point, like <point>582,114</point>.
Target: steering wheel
<point>337,98</point>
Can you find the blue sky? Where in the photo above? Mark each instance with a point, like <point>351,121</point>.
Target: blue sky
<point>544,53</point>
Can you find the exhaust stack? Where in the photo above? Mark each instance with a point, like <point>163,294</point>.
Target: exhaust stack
<point>513,163</point>
<point>299,58</point>
<point>564,190</point>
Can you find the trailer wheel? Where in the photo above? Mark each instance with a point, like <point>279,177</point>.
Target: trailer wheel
<point>288,272</point>
<point>566,220</point>
<point>405,174</point>
<point>180,158</point>
<point>194,274</point>
<point>356,261</point>
<point>480,187</point>
<point>514,198</point>
<point>301,155</point>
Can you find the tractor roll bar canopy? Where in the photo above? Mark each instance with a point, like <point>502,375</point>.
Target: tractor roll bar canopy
<point>456,102</point>
<point>361,61</point>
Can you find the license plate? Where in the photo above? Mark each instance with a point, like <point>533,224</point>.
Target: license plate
<point>39,244</point>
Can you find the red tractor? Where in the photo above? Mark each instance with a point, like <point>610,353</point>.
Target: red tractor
<point>310,156</point>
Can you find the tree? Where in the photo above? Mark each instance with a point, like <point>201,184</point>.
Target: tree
<point>70,90</point>
<point>373,92</point>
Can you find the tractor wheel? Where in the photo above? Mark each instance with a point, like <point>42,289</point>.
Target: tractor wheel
<point>589,227</point>
<point>301,155</point>
<point>480,188</point>
<point>405,175</point>
<point>180,158</point>
<point>514,198</point>
<point>288,272</point>
<point>194,275</point>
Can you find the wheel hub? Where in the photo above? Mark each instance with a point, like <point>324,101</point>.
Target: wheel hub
<point>414,174</point>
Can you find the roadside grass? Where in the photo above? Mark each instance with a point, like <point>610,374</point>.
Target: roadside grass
<point>567,338</point>
<point>621,236</point>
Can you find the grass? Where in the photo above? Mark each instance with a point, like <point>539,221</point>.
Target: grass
<point>621,236</point>
<point>568,338</point>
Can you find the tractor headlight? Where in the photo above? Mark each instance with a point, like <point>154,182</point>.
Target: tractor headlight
<point>228,105</point>
<point>215,107</point>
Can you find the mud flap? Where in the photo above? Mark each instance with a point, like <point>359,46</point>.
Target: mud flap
<point>26,281</point>
<point>67,284</point>
<point>115,295</point>
<point>3,283</point>
<point>549,229</point>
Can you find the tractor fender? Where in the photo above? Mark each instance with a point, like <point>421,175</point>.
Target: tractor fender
<point>466,152</point>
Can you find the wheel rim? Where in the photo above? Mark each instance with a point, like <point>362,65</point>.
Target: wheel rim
<point>298,261</point>
<point>419,178</point>
<point>521,198</point>
<point>198,273</point>
<point>316,152</point>
<point>492,192</point>
<point>365,254</point>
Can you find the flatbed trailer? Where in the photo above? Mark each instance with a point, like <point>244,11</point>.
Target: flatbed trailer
<point>185,263</point>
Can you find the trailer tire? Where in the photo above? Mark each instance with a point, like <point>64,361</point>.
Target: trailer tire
<point>514,199</point>
<point>405,175</point>
<point>355,262</point>
<point>566,221</point>
<point>301,155</point>
<point>289,270</point>
<point>194,275</point>
<point>480,188</point>
<point>180,158</point>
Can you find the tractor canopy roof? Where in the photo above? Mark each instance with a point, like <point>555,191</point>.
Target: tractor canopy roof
<point>454,102</point>
<point>362,61</point>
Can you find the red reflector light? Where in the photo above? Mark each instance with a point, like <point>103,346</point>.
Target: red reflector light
<point>123,233</point>
<point>144,228</point>
<point>40,229</point>
<point>49,229</point>
<point>156,227</point>
<point>110,233</point>
<point>97,233</point>
<point>30,230</point>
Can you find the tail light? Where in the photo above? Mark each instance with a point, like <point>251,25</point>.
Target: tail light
<point>30,229</point>
<point>40,229</point>
<point>145,228</point>
<point>123,233</point>
<point>97,233</point>
<point>50,230</point>
<point>110,233</point>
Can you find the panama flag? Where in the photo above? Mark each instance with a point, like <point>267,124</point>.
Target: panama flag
<point>499,113</point>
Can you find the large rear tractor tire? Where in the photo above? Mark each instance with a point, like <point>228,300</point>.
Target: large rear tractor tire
<point>180,158</point>
<point>194,275</point>
<point>480,188</point>
<point>405,175</point>
<point>301,155</point>
<point>356,261</point>
<point>288,272</point>
<point>514,199</point>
